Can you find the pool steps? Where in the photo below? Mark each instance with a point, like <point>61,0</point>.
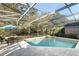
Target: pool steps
<point>77,46</point>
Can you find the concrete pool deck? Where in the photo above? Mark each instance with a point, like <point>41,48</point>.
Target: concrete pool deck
<point>24,49</point>
<point>42,51</point>
<point>45,51</point>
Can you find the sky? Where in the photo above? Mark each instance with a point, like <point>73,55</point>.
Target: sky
<point>48,7</point>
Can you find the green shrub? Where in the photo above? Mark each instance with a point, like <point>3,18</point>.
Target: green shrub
<point>21,32</point>
<point>58,32</point>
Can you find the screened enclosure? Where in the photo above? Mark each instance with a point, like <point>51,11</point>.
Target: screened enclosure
<point>35,16</point>
<point>27,25</point>
<point>40,13</point>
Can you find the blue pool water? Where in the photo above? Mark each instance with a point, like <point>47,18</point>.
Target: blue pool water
<point>50,42</point>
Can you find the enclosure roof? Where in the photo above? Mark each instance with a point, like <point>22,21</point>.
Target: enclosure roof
<point>73,24</point>
<point>65,12</point>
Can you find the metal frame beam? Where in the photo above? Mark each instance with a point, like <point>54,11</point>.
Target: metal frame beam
<point>67,16</point>
<point>25,13</point>
<point>72,4</point>
<point>70,11</point>
<point>35,8</point>
<point>67,6</point>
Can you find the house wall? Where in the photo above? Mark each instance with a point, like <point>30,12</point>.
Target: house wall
<point>72,30</point>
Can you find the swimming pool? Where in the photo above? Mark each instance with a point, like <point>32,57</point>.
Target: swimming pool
<point>53,42</point>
